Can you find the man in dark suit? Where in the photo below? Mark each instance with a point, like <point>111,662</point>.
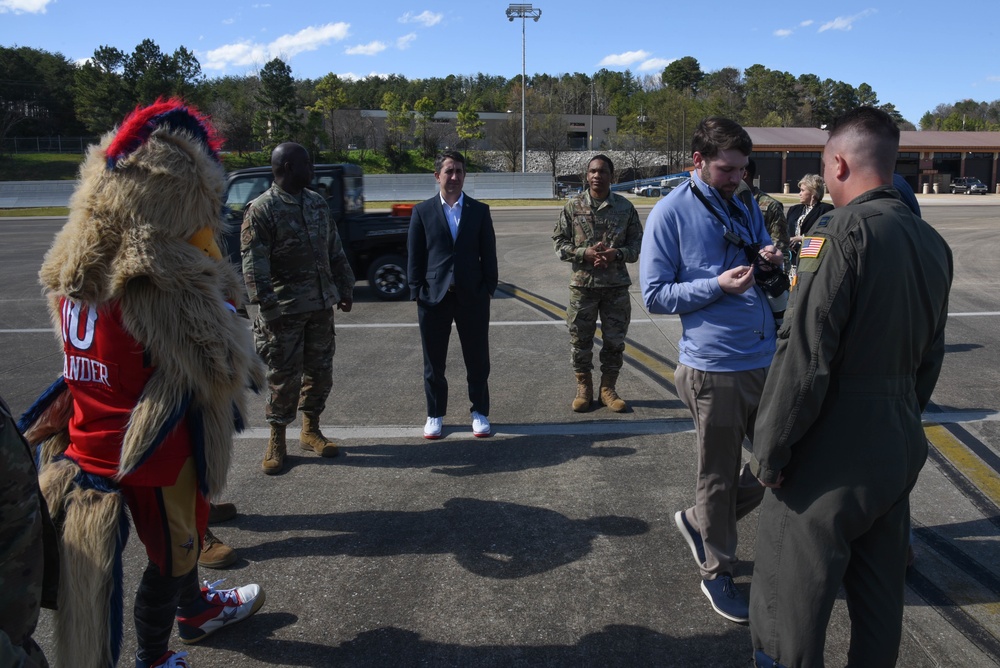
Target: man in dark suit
<point>452,270</point>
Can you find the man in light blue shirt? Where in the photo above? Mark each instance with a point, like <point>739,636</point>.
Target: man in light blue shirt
<point>701,250</point>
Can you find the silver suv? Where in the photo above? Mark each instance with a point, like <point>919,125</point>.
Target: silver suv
<point>969,185</point>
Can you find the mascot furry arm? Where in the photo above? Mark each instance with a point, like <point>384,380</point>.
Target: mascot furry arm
<point>141,232</point>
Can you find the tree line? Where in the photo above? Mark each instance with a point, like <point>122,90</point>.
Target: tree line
<point>45,94</point>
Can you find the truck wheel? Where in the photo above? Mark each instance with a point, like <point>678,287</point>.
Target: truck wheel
<point>387,277</point>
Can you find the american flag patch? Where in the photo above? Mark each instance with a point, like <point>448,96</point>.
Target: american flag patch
<point>811,246</point>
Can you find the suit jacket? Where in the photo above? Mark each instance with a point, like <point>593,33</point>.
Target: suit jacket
<point>796,211</point>
<point>436,261</point>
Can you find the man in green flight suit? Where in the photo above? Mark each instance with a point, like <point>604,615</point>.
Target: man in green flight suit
<point>838,438</point>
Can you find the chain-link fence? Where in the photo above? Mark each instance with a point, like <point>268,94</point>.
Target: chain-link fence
<point>47,144</point>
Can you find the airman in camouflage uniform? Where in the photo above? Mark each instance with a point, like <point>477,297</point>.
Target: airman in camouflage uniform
<point>773,210</point>
<point>598,232</point>
<point>296,271</point>
<point>28,553</point>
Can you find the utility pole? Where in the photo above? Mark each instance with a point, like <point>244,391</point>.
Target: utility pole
<point>523,12</point>
<point>591,114</point>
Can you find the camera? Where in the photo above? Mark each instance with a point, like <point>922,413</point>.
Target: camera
<point>771,279</point>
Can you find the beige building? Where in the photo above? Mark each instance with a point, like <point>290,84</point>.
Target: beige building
<point>578,128</point>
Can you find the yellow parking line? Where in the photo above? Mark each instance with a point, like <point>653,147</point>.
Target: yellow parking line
<point>532,299</point>
<point>651,363</point>
<point>971,466</point>
<point>640,357</point>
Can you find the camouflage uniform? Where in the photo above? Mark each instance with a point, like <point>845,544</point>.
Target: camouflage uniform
<point>296,271</point>
<point>774,218</point>
<point>594,291</point>
<point>28,554</point>
<point>774,214</point>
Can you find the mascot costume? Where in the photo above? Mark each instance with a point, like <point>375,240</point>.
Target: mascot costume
<point>155,373</point>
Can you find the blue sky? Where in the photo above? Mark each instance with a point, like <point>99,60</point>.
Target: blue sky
<point>915,54</point>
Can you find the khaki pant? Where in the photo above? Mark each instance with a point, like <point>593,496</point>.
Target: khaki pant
<point>724,406</point>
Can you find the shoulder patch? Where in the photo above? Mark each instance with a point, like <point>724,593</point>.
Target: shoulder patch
<point>811,246</point>
<point>823,221</point>
<point>811,253</point>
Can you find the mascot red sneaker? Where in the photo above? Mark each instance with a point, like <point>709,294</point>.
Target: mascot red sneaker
<point>155,375</point>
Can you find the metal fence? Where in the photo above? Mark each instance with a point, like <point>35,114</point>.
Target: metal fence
<point>481,185</point>
<point>378,188</point>
<point>47,144</point>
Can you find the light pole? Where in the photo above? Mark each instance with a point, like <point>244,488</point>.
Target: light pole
<point>523,12</point>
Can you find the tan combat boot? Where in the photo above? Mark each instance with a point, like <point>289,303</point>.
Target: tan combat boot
<point>609,397</point>
<point>274,456</point>
<point>215,553</point>
<point>584,392</point>
<point>313,439</point>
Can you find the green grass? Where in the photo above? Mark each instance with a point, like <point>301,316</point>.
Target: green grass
<point>39,166</point>
<point>411,162</point>
<point>36,212</point>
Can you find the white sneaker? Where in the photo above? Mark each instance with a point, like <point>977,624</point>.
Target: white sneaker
<point>215,609</point>
<point>480,425</point>
<point>432,429</point>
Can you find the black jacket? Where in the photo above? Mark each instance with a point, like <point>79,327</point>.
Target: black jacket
<point>436,261</point>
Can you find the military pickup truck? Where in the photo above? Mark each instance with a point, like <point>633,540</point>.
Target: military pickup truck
<point>375,243</point>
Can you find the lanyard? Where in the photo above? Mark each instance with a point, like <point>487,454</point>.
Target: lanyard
<point>730,234</point>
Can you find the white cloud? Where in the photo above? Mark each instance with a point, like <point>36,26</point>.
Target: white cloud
<point>351,76</point>
<point>239,54</point>
<point>627,58</point>
<point>783,32</point>
<point>311,38</point>
<point>993,78</point>
<point>806,23</point>
<point>228,22</point>
<point>654,64</point>
<point>246,53</point>
<point>405,41</point>
<point>369,49</point>
<point>845,22</point>
<point>426,18</point>
<point>24,6</point>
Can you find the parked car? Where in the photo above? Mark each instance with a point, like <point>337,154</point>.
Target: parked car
<point>969,185</point>
<point>666,185</point>
<point>648,191</point>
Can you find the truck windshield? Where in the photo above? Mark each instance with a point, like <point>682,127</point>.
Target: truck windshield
<point>354,196</point>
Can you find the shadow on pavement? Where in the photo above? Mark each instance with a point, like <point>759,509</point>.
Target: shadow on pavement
<point>488,538</point>
<point>616,645</point>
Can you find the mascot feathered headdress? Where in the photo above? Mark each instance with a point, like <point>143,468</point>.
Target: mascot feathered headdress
<point>142,234</point>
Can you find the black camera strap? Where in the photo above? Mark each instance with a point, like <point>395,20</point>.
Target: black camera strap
<point>730,235</point>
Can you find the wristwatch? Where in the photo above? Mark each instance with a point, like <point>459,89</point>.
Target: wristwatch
<point>620,256</point>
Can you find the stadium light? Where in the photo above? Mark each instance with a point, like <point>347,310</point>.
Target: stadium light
<point>523,12</point>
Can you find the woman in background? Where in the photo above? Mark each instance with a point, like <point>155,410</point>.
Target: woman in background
<point>803,216</point>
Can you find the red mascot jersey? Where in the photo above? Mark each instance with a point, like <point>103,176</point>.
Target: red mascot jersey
<point>106,370</point>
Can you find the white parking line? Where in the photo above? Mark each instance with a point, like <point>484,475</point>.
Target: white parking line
<point>494,323</point>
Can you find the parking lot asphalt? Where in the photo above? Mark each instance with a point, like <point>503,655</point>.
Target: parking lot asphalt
<point>552,542</point>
